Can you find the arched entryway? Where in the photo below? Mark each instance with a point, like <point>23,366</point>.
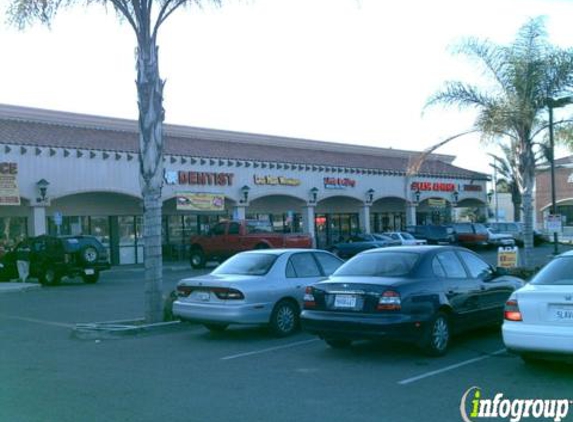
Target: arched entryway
<point>471,209</point>
<point>180,224</point>
<point>434,210</point>
<point>388,214</point>
<point>114,218</point>
<point>284,212</point>
<point>336,219</point>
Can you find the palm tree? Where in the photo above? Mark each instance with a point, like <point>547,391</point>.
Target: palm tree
<point>521,78</point>
<point>145,17</point>
<point>506,167</point>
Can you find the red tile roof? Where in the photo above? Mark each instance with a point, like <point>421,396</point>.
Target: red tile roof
<point>19,126</point>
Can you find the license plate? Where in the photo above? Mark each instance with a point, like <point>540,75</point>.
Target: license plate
<point>89,271</point>
<point>345,301</point>
<point>562,314</point>
<point>203,296</point>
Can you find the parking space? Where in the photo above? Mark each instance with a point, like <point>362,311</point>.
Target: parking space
<point>244,373</point>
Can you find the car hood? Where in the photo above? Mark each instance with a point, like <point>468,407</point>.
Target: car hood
<point>219,280</point>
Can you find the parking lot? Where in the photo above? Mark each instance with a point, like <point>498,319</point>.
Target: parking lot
<point>243,374</point>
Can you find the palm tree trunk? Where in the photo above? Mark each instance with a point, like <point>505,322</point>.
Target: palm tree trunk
<point>527,198</point>
<point>151,115</point>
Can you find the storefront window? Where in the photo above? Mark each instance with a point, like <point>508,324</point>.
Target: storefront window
<point>99,227</point>
<point>126,227</point>
<point>12,231</point>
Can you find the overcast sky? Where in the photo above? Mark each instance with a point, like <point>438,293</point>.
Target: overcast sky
<point>353,71</point>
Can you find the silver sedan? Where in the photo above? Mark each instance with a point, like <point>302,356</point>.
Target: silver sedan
<point>254,287</point>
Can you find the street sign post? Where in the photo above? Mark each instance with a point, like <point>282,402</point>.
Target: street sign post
<point>553,223</point>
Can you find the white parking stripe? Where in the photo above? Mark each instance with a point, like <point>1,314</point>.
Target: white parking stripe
<point>449,368</point>
<point>270,349</point>
<point>41,321</point>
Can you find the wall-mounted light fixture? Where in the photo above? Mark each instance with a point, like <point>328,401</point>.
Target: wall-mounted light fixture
<point>42,186</point>
<point>455,196</point>
<point>370,195</point>
<point>417,196</point>
<point>313,195</point>
<point>245,192</point>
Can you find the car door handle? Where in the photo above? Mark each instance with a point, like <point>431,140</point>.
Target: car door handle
<point>299,286</point>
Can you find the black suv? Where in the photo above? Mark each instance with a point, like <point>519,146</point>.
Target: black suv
<point>52,258</point>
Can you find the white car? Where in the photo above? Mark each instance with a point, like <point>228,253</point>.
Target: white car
<point>406,238</point>
<point>539,316</point>
<point>499,239</point>
<point>261,287</point>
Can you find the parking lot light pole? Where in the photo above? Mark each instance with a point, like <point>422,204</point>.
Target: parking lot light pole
<point>551,104</point>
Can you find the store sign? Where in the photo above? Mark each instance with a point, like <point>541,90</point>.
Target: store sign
<point>507,257</point>
<point>9,192</point>
<point>433,186</point>
<point>198,178</point>
<point>472,188</point>
<point>434,202</point>
<point>338,183</point>
<point>553,223</point>
<point>188,201</point>
<point>275,181</point>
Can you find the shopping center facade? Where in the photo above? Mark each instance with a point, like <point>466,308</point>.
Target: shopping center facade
<point>79,174</point>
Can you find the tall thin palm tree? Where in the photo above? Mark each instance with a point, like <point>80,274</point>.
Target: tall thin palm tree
<point>520,78</point>
<point>145,17</point>
<point>506,167</point>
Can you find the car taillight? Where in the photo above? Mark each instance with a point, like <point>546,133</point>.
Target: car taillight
<point>184,291</point>
<point>389,301</point>
<point>227,294</point>
<point>511,311</point>
<point>309,302</point>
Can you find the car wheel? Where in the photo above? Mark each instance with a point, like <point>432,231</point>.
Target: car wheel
<point>338,343</point>
<point>91,278</point>
<point>284,319</point>
<point>49,277</point>
<point>89,255</point>
<point>197,259</point>
<point>216,328</point>
<point>437,336</point>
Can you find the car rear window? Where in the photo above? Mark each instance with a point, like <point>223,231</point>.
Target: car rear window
<point>557,272</point>
<point>382,264</point>
<point>247,264</point>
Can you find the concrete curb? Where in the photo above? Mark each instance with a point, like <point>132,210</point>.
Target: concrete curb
<point>11,287</point>
<point>121,329</point>
<point>117,270</point>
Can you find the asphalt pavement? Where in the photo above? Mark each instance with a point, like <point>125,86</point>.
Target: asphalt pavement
<point>243,374</point>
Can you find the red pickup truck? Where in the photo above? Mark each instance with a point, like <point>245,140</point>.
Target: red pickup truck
<point>230,237</point>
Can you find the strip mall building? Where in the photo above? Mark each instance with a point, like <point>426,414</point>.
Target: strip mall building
<point>79,174</point>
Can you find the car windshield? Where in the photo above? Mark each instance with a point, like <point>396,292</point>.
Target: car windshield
<point>247,264</point>
<point>383,264</point>
<point>407,236</point>
<point>557,272</point>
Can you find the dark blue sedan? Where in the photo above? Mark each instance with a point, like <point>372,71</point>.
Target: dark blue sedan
<point>418,294</point>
